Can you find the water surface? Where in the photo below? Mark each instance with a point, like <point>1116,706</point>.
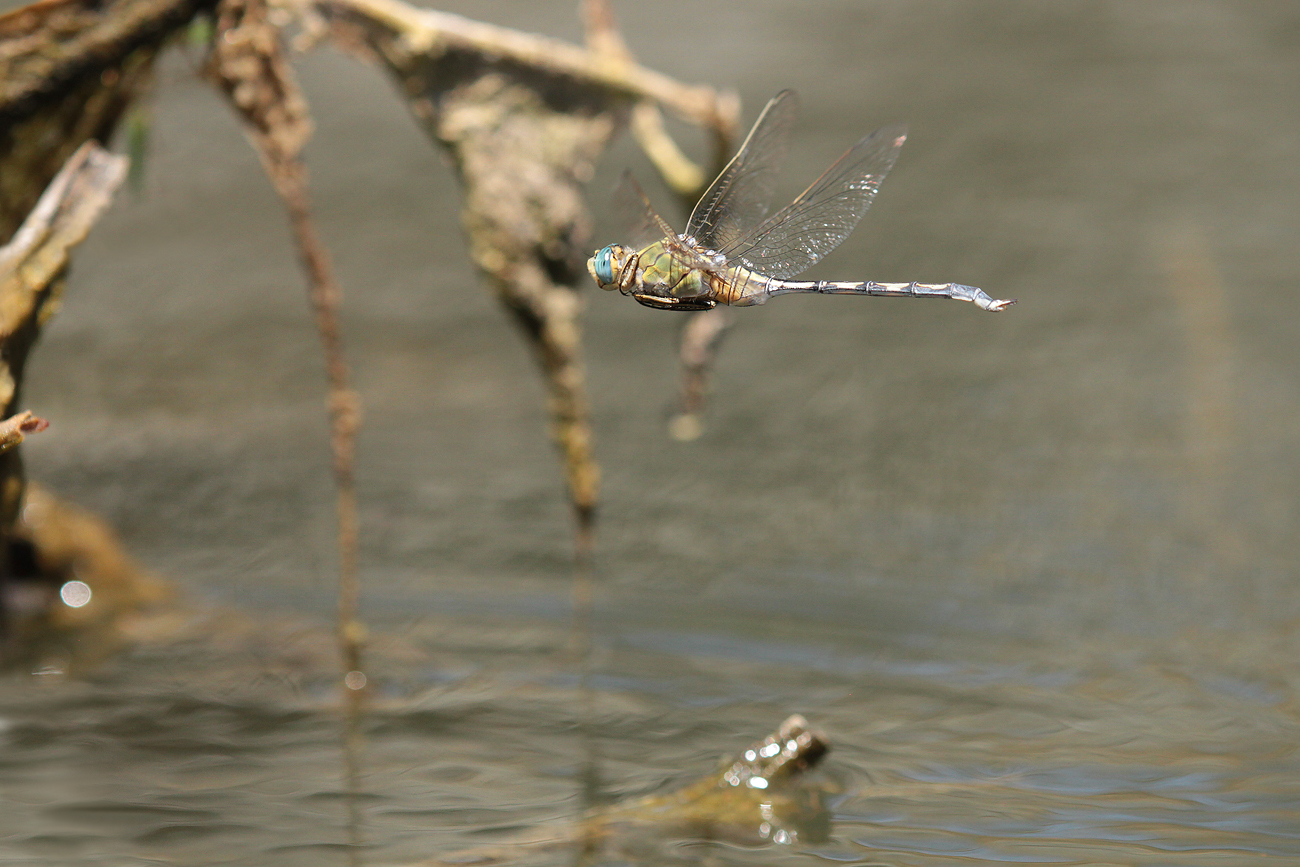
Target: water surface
<point>1032,573</point>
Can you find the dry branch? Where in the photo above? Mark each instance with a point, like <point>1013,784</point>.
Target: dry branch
<point>32,266</point>
<point>249,65</point>
<point>47,46</point>
<point>701,336</point>
<point>683,176</point>
<point>38,252</point>
<point>431,33</point>
<point>524,119</point>
<point>68,70</point>
<point>15,428</point>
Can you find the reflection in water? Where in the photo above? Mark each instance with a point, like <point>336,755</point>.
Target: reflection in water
<point>353,701</point>
<point>1210,429</point>
<point>1063,754</point>
<point>75,594</point>
<point>582,595</point>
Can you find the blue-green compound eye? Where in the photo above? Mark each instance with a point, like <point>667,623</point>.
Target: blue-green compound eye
<point>605,265</point>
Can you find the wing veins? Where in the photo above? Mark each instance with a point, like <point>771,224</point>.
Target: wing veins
<point>739,198</point>
<point>822,216</point>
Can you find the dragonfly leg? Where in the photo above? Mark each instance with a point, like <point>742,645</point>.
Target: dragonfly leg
<point>627,273</point>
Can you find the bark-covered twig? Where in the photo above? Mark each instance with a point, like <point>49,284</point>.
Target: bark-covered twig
<point>32,267</point>
<point>700,338</point>
<point>248,63</point>
<point>429,32</point>
<point>68,69</point>
<point>38,251</point>
<point>524,118</point>
<point>47,46</point>
<point>15,428</point>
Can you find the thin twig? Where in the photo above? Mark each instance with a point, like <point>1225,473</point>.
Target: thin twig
<point>683,176</point>
<point>700,338</point>
<point>14,428</point>
<point>249,64</point>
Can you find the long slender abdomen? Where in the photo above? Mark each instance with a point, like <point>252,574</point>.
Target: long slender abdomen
<point>955,291</point>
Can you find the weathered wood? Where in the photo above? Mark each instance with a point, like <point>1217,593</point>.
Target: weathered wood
<point>32,267</point>
<point>68,70</point>
<point>524,119</point>
<point>14,429</point>
<point>39,250</point>
<point>31,274</point>
<point>763,795</point>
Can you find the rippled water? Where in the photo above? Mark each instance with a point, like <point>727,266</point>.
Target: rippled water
<point>1033,574</point>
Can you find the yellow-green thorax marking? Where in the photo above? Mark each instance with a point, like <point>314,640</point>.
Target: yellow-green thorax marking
<point>656,276</point>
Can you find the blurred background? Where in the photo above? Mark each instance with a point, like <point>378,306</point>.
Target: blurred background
<point>1034,573</point>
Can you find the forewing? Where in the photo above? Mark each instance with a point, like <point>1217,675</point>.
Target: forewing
<point>640,225</point>
<point>738,199</point>
<point>822,216</point>
<point>645,226</point>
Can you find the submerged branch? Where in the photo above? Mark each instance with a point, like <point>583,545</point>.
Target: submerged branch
<point>766,794</point>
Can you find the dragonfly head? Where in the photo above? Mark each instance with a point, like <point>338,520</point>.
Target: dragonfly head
<point>601,267</point>
<point>606,267</point>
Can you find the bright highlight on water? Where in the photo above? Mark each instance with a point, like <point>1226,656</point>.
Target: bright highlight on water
<point>75,594</point>
<point>733,253</point>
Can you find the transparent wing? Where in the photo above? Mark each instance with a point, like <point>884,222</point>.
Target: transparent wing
<point>637,222</point>
<point>738,199</point>
<point>823,215</point>
<point>645,226</point>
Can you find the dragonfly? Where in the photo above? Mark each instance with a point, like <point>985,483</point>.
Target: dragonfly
<point>733,253</point>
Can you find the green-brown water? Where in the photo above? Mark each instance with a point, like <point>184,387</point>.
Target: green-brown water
<point>1034,574</point>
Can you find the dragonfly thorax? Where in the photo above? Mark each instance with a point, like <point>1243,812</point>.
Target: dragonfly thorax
<point>690,242</point>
